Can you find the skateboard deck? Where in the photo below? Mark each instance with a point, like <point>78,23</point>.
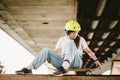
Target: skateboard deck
<point>71,72</point>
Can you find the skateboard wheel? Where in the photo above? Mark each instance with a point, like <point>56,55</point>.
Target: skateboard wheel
<point>88,72</point>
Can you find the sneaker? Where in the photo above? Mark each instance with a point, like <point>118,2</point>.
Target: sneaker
<point>24,71</point>
<point>60,71</point>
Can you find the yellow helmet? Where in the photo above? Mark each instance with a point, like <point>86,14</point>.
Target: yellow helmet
<point>72,25</point>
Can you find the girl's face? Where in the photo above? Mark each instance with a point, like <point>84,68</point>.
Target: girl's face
<point>73,35</point>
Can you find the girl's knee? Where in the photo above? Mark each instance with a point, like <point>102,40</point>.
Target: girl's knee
<point>46,49</point>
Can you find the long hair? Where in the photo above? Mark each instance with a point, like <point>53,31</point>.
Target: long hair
<point>76,41</point>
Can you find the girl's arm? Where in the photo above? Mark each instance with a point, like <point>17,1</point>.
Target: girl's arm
<point>92,55</point>
<point>56,50</point>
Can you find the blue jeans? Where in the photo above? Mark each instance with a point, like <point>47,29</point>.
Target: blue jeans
<point>51,57</point>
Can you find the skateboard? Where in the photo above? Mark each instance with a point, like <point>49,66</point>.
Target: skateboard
<point>71,72</point>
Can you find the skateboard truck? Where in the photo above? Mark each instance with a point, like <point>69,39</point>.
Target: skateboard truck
<point>86,72</point>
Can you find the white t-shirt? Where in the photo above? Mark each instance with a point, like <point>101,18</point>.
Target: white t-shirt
<point>63,41</point>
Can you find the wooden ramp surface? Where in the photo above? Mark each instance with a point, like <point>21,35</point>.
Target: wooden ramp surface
<point>48,77</point>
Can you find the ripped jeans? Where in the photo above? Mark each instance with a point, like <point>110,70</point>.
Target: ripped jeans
<point>51,57</point>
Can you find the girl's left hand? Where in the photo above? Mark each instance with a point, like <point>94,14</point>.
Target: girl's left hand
<point>98,64</point>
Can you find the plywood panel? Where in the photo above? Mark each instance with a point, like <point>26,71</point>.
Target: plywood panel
<point>43,77</point>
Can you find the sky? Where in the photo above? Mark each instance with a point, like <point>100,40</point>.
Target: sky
<point>14,57</point>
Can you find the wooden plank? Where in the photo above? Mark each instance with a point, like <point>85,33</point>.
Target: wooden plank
<point>48,77</point>
<point>15,10</point>
<point>31,17</point>
<point>36,2</point>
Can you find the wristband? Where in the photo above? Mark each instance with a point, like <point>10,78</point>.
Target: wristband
<point>96,60</point>
<point>67,61</point>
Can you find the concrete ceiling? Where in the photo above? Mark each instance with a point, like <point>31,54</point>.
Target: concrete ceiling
<point>36,24</point>
<point>39,23</point>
